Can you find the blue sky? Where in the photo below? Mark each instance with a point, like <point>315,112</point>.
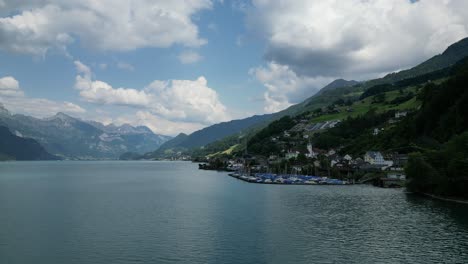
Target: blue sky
<point>178,66</point>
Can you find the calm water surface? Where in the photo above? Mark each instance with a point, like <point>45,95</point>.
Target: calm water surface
<point>170,212</point>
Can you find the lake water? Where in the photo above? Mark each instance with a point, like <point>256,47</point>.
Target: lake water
<point>170,212</point>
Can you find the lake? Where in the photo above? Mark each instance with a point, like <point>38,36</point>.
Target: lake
<point>171,212</point>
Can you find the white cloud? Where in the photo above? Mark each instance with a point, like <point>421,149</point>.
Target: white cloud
<point>356,38</point>
<point>14,99</point>
<point>102,93</point>
<point>82,68</point>
<point>9,87</point>
<point>115,25</point>
<point>284,87</point>
<point>189,57</point>
<point>176,100</point>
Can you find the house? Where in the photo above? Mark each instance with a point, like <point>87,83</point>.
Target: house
<point>376,132</point>
<point>310,150</point>
<point>348,158</point>
<point>292,154</point>
<point>376,158</point>
<point>400,114</point>
<point>398,176</point>
<point>316,163</point>
<point>337,162</point>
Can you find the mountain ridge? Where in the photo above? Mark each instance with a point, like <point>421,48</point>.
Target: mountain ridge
<point>452,54</point>
<point>73,138</point>
<point>13,147</point>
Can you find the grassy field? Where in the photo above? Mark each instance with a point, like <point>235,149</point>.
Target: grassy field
<point>363,106</point>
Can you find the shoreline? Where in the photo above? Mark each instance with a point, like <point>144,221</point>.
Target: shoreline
<point>446,199</point>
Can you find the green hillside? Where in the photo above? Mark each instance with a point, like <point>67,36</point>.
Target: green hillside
<point>394,92</point>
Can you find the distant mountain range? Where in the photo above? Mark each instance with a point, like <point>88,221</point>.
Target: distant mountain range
<point>72,138</point>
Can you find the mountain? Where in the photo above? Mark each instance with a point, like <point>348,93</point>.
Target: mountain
<point>449,57</point>
<point>453,54</point>
<point>72,138</point>
<point>335,91</point>
<point>437,67</point>
<point>338,83</point>
<point>13,147</point>
<point>124,129</point>
<point>208,135</point>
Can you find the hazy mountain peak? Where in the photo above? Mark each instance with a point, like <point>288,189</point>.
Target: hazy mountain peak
<point>61,116</point>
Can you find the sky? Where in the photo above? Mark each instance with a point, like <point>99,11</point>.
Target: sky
<point>179,66</point>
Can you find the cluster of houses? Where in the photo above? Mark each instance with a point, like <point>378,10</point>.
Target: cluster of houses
<point>292,143</point>
<point>372,161</point>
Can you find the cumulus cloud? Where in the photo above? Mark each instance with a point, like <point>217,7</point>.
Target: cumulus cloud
<point>284,87</point>
<point>356,38</point>
<point>34,27</point>
<point>310,43</point>
<point>176,100</point>
<point>189,57</point>
<point>14,99</point>
<point>9,87</point>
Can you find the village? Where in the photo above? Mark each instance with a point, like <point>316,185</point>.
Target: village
<point>300,162</point>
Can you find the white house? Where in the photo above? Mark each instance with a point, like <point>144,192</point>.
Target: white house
<point>400,114</point>
<point>310,150</point>
<point>376,158</point>
<point>331,152</point>
<point>376,131</point>
<point>292,154</point>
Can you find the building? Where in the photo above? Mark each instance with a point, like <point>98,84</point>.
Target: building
<point>376,158</point>
<point>376,132</point>
<point>400,114</point>
<point>348,158</point>
<point>291,154</point>
<point>331,152</point>
<point>310,150</point>
<point>398,176</point>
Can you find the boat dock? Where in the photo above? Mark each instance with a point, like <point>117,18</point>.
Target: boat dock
<point>268,178</point>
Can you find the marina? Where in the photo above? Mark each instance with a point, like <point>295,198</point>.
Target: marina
<point>270,178</point>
